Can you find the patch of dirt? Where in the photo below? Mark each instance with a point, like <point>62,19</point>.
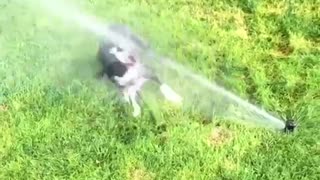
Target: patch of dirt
<point>230,165</point>
<point>283,47</point>
<point>219,136</point>
<point>140,174</point>
<point>282,51</point>
<point>3,108</point>
<point>163,138</point>
<point>285,50</point>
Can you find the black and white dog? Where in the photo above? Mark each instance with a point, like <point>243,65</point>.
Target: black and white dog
<point>127,72</point>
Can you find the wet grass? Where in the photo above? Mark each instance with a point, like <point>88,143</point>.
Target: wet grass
<point>58,121</point>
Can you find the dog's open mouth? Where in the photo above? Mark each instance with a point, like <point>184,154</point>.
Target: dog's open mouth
<point>132,61</point>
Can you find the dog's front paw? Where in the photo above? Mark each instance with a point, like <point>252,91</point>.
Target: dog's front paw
<point>126,98</point>
<point>136,113</point>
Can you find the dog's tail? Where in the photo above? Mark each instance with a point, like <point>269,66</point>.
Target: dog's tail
<point>167,91</point>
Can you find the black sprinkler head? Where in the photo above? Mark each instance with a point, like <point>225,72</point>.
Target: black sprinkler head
<point>290,126</point>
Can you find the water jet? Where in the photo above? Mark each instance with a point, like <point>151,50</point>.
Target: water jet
<point>198,90</point>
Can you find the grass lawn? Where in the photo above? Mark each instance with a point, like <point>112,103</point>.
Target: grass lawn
<point>58,122</point>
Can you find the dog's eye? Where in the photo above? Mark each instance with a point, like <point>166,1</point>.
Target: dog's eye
<point>132,58</point>
<point>119,49</point>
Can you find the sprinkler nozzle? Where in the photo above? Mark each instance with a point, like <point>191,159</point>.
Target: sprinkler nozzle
<point>290,126</point>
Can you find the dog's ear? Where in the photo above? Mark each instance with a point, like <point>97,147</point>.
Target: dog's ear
<point>132,59</point>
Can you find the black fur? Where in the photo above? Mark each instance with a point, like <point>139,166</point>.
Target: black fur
<point>111,66</point>
<point>115,69</point>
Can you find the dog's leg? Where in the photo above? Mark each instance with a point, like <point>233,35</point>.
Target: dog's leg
<point>126,95</point>
<point>129,97</point>
<point>136,107</point>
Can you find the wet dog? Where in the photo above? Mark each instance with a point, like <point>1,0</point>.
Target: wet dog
<point>128,73</point>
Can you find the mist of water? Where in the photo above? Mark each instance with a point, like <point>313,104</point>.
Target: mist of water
<point>198,92</point>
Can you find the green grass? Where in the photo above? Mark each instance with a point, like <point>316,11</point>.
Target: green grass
<point>58,122</point>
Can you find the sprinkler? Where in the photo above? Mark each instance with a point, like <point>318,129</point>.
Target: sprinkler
<point>290,126</point>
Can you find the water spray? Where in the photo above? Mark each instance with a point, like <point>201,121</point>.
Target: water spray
<point>201,94</point>
<point>249,112</point>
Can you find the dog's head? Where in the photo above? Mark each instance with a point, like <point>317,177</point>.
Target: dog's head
<point>123,56</point>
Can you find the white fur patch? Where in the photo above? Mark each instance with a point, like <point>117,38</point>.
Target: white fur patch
<point>120,55</point>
